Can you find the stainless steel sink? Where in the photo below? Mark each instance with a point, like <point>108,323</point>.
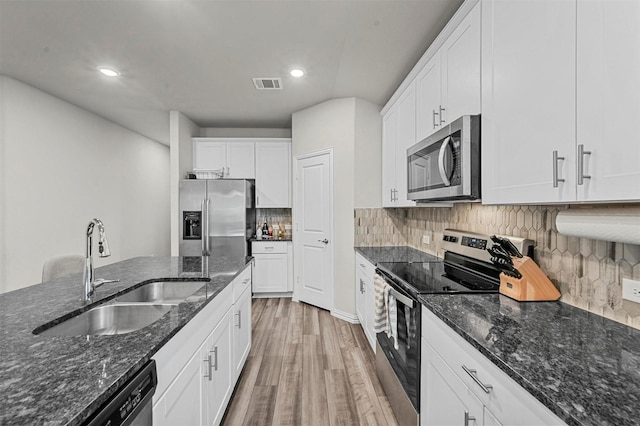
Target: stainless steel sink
<point>119,318</point>
<point>162,292</point>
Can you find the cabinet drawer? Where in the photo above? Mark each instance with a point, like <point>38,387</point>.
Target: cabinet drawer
<point>365,266</point>
<point>266,247</point>
<point>505,398</point>
<point>241,283</point>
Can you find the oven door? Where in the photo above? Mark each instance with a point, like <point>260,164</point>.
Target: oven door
<point>402,349</point>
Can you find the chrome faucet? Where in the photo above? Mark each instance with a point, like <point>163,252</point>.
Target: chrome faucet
<point>89,282</point>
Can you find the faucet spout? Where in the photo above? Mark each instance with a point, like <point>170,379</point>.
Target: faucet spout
<point>89,286</point>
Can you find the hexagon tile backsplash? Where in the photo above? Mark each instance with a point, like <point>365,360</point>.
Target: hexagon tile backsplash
<point>588,272</point>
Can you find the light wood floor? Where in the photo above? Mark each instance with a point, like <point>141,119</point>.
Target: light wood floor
<point>307,368</point>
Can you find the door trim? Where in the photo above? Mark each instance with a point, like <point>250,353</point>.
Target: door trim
<point>297,255</point>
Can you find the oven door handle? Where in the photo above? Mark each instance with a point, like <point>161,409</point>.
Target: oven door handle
<point>442,168</point>
<point>401,297</point>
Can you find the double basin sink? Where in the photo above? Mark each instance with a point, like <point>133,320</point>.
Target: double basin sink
<point>129,312</point>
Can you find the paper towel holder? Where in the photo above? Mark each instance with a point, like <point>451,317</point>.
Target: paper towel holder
<point>617,224</point>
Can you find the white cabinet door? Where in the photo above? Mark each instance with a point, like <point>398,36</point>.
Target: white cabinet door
<point>399,133</point>
<point>240,159</point>
<point>270,273</point>
<point>241,332</point>
<point>444,399</point>
<point>406,137</point>
<point>370,305</point>
<point>528,101</point>
<point>608,109</point>
<point>217,371</point>
<point>209,155</point>
<point>389,126</point>
<point>429,94</point>
<point>182,402</point>
<point>460,56</point>
<point>273,174</point>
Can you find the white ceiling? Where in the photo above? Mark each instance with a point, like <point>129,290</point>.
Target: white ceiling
<point>198,57</point>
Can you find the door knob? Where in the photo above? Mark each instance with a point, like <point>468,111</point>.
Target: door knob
<point>324,241</point>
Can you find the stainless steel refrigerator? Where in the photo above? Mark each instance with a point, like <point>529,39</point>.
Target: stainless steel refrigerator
<point>217,217</point>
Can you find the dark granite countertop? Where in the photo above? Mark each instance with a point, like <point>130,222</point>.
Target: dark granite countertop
<point>583,367</point>
<point>62,380</point>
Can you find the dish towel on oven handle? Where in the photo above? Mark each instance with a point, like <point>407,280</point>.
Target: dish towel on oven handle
<point>380,320</point>
<point>385,318</point>
<point>392,312</point>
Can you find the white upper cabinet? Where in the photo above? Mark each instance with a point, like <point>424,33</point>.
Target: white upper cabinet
<point>528,101</point>
<point>608,109</point>
<point>233,159</point>
<point>449,84</point>
<point>560,101</point>
<point>273,174</point>
<point>429,89</point>
<point>399,133</point>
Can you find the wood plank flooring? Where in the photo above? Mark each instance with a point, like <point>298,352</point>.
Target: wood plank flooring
<point>307,368</point>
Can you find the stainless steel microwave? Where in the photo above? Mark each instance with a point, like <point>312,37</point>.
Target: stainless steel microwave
<point>446,165</point>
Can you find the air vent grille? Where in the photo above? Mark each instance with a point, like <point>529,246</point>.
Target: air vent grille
<point>267,83</point>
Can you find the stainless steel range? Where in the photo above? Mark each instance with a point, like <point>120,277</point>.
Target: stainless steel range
<point>467,268</point>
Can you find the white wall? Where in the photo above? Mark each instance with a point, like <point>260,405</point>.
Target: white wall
<point>62,166</point>
<point>368,161</point>
<point>237,132</point>
<point>338,124</point>
<point>181,130</point>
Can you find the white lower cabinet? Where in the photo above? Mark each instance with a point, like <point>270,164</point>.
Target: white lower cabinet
<point>272,271</point>
<point>365,300</point>
<point>199,367</point>
<point>217,372</point>
<point>458,385</point>
<point>241,331</point>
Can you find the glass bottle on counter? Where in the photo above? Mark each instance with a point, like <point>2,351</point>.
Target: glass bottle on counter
<point>265,228</point>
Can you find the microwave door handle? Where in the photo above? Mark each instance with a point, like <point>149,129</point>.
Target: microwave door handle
<point>441,165</point>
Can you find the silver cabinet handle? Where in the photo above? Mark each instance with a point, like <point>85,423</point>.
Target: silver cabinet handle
<point>434,119</point>
<point>395,195</point>
<point>442,120</point>
<point>362,265</point>
<point>208,361</point>
<point>228,171</point>
<point>215,357</point>
<point>474,375</point>
<point>239,315</point>
<point>269,248</point>
<point>325,241</point>
<point>581,154</point>
<point>257,200</point>
<point>556,179</point>
<point>468,418</point>
<point>361,286</point>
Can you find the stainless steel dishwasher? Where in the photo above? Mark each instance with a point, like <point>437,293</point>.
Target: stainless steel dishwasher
<point>131,405</point>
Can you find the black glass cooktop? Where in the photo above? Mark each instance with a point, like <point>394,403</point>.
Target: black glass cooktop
<point>450,276</point>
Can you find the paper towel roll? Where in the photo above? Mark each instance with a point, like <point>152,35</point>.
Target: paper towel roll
<point>609,224</point>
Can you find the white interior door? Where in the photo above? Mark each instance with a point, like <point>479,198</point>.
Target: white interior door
<point>314,229</point>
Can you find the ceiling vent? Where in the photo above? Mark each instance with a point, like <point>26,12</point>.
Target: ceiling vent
<point>267,83</point>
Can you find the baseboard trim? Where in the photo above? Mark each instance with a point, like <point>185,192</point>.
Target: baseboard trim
<point>273,295</point>
<point>352,318</point>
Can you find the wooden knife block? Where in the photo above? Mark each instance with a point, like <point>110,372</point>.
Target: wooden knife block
<point>533,286</point>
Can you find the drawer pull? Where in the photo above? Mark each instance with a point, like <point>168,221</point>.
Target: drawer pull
<point>215,357</point>
<point>468,418</point>
<point>239,315</point>
<point>474,376</point>
<point>208,361</point>
<point>362,265</point>
<point>269,248</point>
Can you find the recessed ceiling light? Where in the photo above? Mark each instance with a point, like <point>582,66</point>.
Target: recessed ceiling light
<point>108,72</point>
<point>296,72</point>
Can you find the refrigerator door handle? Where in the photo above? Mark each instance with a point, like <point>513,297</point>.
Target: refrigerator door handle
<point>206,235</point>
<point>203,226</point>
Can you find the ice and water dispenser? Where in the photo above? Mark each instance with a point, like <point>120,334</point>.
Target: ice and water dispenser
<point>191,225</point>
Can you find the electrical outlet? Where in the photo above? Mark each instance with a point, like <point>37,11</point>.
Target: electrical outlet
<point>426,240</point>
<point>631,290</point>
